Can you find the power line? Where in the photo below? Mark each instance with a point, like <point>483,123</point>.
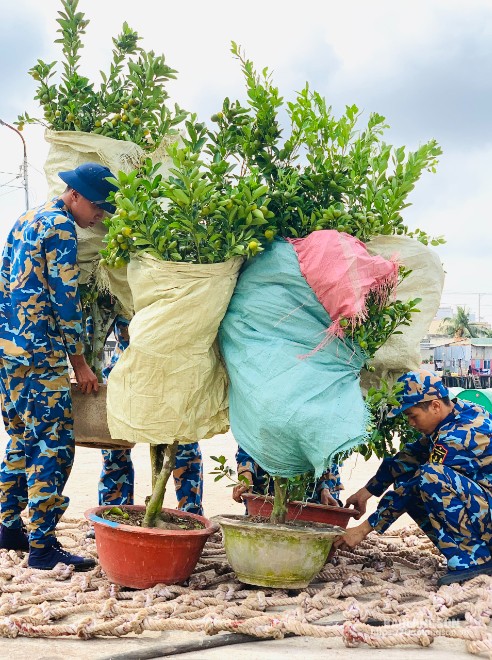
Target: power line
<point>36,169</point>
<point>9,192</point>
<point>4,185</point>
<point>24,160</point>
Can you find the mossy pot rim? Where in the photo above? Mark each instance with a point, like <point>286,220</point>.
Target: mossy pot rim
<point>308,531</point>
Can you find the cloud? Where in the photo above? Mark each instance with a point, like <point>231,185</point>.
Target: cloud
<point>446,96</point>
<point>434,83</point>
<point>426,66</point>
<point>21,42</point>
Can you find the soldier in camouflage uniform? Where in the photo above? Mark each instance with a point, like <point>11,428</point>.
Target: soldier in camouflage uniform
<point>116,485</point>
<point>40,324</point>
<point>324,491</point>
<point>443,480</point>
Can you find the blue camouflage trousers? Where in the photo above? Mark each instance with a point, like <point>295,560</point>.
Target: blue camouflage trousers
<point>451,509</point>
<point>117,480</point>
<point>116,484</point>
<point>37,414</point>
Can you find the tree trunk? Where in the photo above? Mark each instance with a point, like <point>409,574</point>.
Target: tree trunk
<point>159,483</point>
<point>157,453</point>
<point>101,310</point>
<point>279,512</point>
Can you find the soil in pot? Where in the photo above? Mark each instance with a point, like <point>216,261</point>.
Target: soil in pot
<point>127,516</point>
<point>262,505</point>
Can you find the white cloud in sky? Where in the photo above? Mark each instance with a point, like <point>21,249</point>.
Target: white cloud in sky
<point>426,65</point>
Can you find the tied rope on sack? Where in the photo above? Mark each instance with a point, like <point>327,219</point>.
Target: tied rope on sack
<point>294,393</point>
<point>382,594</point>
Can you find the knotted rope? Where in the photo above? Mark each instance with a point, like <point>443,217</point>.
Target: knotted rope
<point>382,594</point>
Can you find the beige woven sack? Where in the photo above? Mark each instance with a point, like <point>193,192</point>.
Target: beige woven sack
<point>401,353</point>
<point>170,383</point>
<point>68,150</point>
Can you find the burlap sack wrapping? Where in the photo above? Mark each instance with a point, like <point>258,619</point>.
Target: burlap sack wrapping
<point>170,383</point>
<point>68,150</point>
<point>401,353</point>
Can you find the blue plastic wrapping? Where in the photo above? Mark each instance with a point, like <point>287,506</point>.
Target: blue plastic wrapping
<point>291,407</point>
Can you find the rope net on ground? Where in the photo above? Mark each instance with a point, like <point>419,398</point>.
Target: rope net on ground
<point>382,594</point>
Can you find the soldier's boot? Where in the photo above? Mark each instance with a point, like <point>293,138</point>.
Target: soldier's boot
<point>461,575</point>
<point>14,538</point>
<point>48,557</point>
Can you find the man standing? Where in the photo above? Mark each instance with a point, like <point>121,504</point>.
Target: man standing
<point>40,324</point>
<point>443,480</point>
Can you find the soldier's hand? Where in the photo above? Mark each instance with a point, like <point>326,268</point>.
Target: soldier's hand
<point>359,501</point>
<point>85,377</point>
<point>327,498</point>
<point>353,537</point>
<point>240,489</point>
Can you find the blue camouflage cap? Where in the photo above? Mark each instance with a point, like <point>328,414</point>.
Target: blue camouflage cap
<point>91,181</point>
<point>418,386</point>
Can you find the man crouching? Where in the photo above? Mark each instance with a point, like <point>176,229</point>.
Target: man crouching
<point>443,480</point>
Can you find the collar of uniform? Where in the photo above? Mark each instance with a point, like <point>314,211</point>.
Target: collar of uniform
<point>58,203</point>
<point>457,408</point>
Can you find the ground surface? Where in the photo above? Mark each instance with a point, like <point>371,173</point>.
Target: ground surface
<point>82,489</point>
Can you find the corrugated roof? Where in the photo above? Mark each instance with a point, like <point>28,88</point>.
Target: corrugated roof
<point>481,341</point>
<point>440,341</point>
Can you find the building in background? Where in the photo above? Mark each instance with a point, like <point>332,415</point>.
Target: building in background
<point>459,356</point>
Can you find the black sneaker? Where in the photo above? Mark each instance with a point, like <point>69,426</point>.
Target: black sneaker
<point>14,538</point>
<point>45,559</point>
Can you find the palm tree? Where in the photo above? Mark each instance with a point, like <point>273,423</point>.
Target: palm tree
<point>460,325</point>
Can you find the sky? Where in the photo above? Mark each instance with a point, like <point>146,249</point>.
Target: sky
<point>426,65</point>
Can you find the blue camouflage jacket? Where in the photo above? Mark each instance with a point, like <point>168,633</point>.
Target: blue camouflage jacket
<point>40,310</point>
<point>462,442</point>
<point>120,330</point>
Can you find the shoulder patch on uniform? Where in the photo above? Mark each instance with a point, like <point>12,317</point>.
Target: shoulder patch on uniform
<point>438,454</point>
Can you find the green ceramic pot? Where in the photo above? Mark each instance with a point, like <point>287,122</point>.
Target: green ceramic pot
<point>285,556</point>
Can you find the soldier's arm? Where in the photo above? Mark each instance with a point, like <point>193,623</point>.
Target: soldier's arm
<point>406,460</point>
<point>245,469</point>
<point>245,463</point>
<point>85,377</point>
<point>60,244</point>
<point>329,484</point>
<point>465,448</point>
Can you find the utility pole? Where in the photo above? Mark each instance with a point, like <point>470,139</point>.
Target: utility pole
<point>24,162</point>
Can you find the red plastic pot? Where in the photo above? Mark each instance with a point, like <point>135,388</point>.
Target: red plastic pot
<point>143,557</point>
<point>260,505</point>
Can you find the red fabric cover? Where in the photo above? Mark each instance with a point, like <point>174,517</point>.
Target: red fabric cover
<point>342,273</point>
